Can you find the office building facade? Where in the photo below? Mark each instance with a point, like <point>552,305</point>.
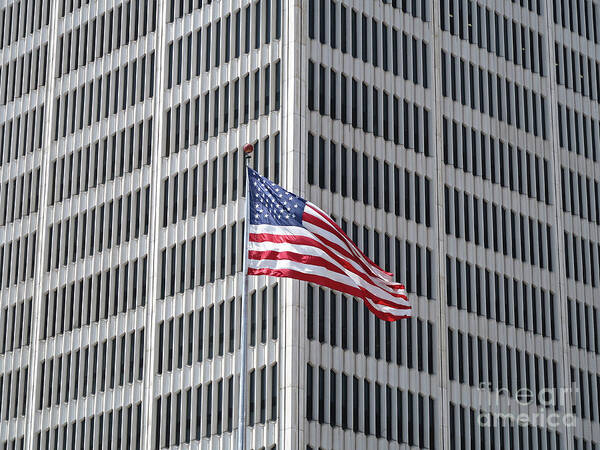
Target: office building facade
<point>456,141</point>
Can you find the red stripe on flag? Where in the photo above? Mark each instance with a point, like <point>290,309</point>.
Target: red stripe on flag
<point>367,266</point>
<point>327,282</point>
<point>358,291</point>
<point>303,240</point>
<point>348,240</point>
<point>347,250</point>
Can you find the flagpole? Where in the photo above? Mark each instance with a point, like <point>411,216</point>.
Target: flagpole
<point>241,442</point>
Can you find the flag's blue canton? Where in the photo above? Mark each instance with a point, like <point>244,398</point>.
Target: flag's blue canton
<point>271,204</point>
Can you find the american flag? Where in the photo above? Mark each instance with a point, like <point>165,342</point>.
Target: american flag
<point>292,238</point>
